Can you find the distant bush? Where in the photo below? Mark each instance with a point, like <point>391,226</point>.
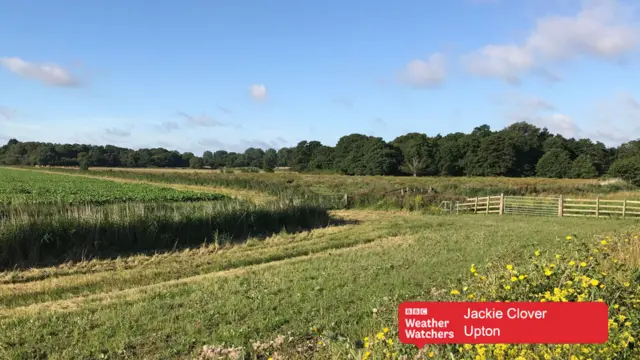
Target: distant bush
<point>554,164</point>
<point>627,169</point>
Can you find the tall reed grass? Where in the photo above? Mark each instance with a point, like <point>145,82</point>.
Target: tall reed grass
<point>40,234</point>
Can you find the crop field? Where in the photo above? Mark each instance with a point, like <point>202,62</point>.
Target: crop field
<point>30,187</point>
<point>290,278</point>
<point>338,185</point>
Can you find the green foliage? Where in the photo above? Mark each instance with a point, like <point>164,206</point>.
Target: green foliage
<point>513,151</point>
<point>23,186</point>
<point>270,160</point>
<point>418,152</point>
<point>582,168</point>
<point>358,154</point>
<point>37,234</point>
<point>283,285</point>
<point>554,164</point>
<point>196,163</point>
<point>599,272</point>
<point>627,169</point>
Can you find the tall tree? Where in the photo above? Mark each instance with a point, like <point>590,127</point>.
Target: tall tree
<point>554,164</point>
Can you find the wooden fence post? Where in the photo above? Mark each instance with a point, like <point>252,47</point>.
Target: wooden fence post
<point>475,207</point>
<point>501,204</point>
<point>487,209</point>
<point>560,206</point>
<point>598,206</point>
<point>624,208</point>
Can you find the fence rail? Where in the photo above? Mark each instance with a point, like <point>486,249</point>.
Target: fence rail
<point>549,206</point>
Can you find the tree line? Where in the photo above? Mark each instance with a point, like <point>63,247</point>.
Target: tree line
<point>519,150</point>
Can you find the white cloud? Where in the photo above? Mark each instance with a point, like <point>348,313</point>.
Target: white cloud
<point>615,119</point>
<point>507,62</point>
<point>343,102</point>
<point>7,113</point>
<point>225,109</point>
<point>49,74</point>
<point>601,30</point>
<point>258,92</point>
<point>213,144</point>
<point>202,120</point>
<point>558,124</point>
<point>169,126</point>
<point>539,112</point>
<point>115,132</point>
<point>421,74</point>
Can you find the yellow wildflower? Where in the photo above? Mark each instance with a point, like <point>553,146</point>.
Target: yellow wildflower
<point>571,263</point>
<point>569,237</point>
<point>455,292</point>
<point>537,252</point>
<point>509,267</point>
<point>548,272</point>
<point>385,330</point>
<point>594,282</point>
<point>583,264</point>
<point>603,242</point>
<point>514,279</point>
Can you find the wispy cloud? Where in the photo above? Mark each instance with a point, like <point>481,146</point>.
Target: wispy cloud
<point>115,132</point>
<point>169,125</point>
<point>202,120</point>
<point>225,110</point>
<point>7,113</point>
<point>379,122</point>
<point>602,29</point>
<point>343,102</point>
<point>50,74</point>
<point>214,144</point>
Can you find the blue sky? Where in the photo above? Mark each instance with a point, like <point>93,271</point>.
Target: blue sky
<point>196,75</point>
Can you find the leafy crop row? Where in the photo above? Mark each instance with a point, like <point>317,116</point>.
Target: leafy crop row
<point>32,187</point>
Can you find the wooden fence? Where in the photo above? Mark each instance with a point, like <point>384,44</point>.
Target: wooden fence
<point>549,206</point>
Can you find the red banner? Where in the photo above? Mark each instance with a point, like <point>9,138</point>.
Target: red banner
<point>423,323</point>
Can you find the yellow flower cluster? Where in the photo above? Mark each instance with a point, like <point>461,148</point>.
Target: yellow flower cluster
<point>578,273</point>
<point>382,346</point>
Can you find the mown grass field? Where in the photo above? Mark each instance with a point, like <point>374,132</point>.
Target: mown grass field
<point>171,305</point>
<point>316,286</point>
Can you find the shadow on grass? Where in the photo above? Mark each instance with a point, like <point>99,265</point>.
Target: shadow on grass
<point>50,242</point>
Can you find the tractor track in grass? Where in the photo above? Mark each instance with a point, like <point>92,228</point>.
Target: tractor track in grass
<point>131,294</point>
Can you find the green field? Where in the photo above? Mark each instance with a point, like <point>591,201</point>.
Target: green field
<point>30,187</point>
<point>381,192</point>
<point>317,284</point>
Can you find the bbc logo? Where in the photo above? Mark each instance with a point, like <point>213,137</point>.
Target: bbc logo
<point>416,311</point>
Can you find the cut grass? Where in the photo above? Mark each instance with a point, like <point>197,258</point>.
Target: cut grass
<point>325,278</point>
